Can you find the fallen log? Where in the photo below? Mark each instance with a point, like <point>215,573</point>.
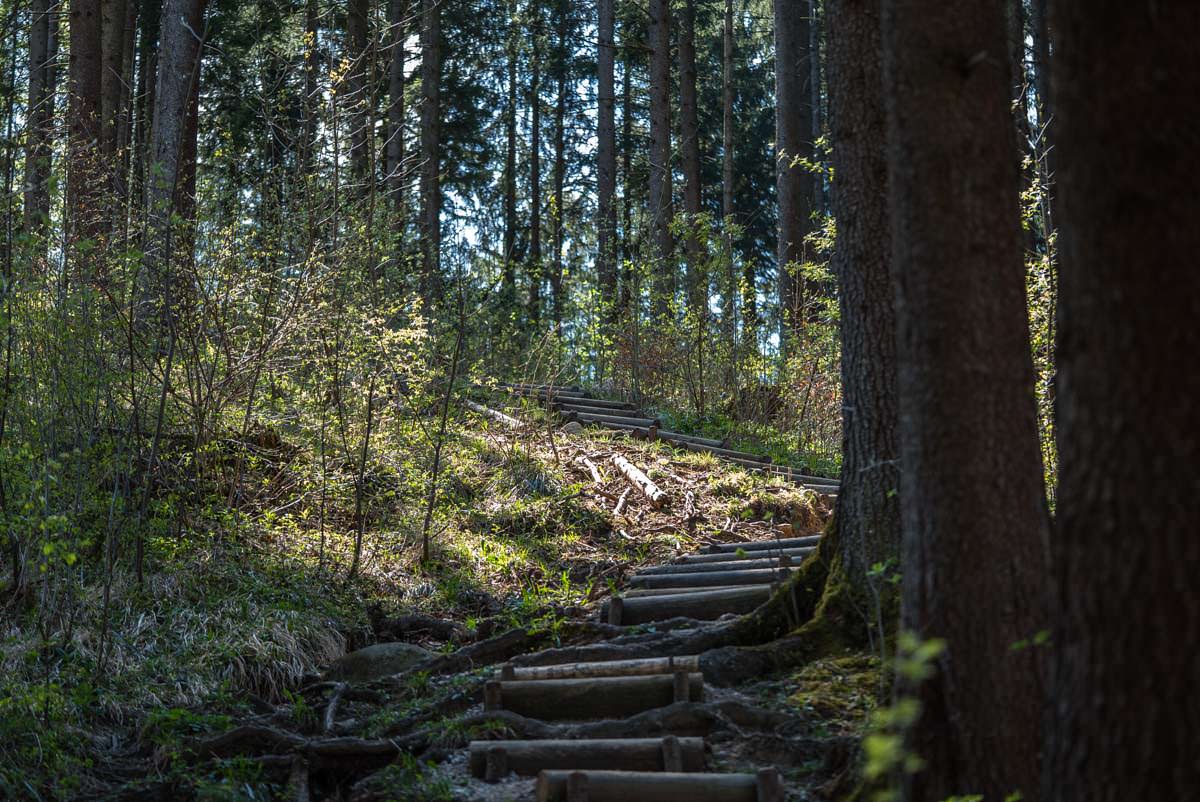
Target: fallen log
<point>733,557</point>
<point>639,480</point>
<point>505,420</point>
<point>765,545</point>
<point>759,576</point>
<point>621,786</point>
<point>628,754</point>
<point>760,559</point>
<point>702,604</point>
<point>587,698</point>
<point>605,668</point>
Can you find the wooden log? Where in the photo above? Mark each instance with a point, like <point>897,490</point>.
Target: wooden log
<point>726,453</point>
<point>639,480</point>
<point>545,394</point>
<point>604,668</point>
<point>795,475</point>
<point>766,545</point>
<point>757,576</point>
<point>734,557</point>
<point>702,604</point>
<point>767,560</point>
<point>529,386</point>
<point>595,402</point>
<point>495,763</point>
<point>769,786</point>
<point>587,417</point>
<point>527,758</point>
<point>592,469</point>
<point>672,754</point>
<point>637,593</point>
<point>595,406</point>
<point>624,786</point>
<point>493,414</point>
<point>616,610</point>
<point>676,437</point>
<point>593,697</point>
<point>577,787</point>
<point>604,412</point>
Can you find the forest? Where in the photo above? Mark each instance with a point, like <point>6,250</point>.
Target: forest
<point>599,400</point>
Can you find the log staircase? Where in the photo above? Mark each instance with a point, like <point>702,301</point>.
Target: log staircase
<point>571,403</point>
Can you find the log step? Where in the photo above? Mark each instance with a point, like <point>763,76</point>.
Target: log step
<point>591,698</point>
<point>676,437</point>
<point>725,453</point>
<point>586,417</point>
<point>623,786</point>
<point>702,604</point>
<point>767,560</point>
<point>593,403</point>
<point>637,593</point>
<point>527,758</point>
<point>766,545</point>
<point>760,576</point>
<point>733,557</point>
<point>602,668</point>
<point>568,409</point>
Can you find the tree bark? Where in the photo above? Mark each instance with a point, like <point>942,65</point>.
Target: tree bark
<point>39,150</point>
<point>83,128</point>
<point>112,47</point>
<point>815,56</point>
<point>972,495</point>
<point>508,284</point>
<point>172,138</point>
<point>397,173</point>
<point>431,191</point>
<point>661,209</point>
<point>729,296</point>
<point>793,181</point>
<point>534,305</point>
<point>868,510</point>
<point>1126,95</point>
<point>606,161</point>
<point>561,53</point>
<point>689,146</point>
<point>357,12</point>
<point>627,194</point>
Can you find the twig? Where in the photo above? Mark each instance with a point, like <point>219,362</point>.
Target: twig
<point>331,708</point>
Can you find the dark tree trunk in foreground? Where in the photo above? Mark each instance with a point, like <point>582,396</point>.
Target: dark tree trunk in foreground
<point>431,190</point>
<point>793,181</point>
<point>606,161</point>
<point>1126,556</point>
<point>43,51</point>
<point>868,508</point>
<point>689,146</point>
<point>729,298</point>
<point>815,73</point>
<point>972,496</point>
<point>508,282</point>
<point>561,53</point>
<point>660,208</point>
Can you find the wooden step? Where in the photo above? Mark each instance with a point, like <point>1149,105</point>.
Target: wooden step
<point>637,593</point>
<point>592,697</point>
<point>765,545</point>
<point>557,785</point>
<point>594,402</point>
<point>766,560</point>
<point>725,453</point>
<point>797,476</point>
<point>543,394</point>
<point>702,604</point>
<point>733,557</point>
<point>527,758</point>
<point>585,417</point>
<point>566,410</point>
<point>759,576</point>
<point>601,668</point>
<point>677,438</point>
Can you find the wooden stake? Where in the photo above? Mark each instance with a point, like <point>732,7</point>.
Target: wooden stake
<point>497,764</point>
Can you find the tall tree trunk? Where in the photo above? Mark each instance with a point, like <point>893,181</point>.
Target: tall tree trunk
<point>508,282</point>
<point>793,181</point>
<point>972,495</point>
<point>814,86</point>
<point>147,85</point>
<point>628,244</point>
<point>729,297</point>
<point>398,17</point>
<point>431,190</point>
<point>561,10</point>
<point>868,508</point>
<point>357,15</point>
<point>689,146</point>
<point>661,209</point>
<point>606,162</point>
<point>535,171</point>
<point>39,150</point>
<point>172,140</point>
<point>84,172</point>
<point>112,34</point>
<point>1126,94</point>
<point>125,110</point>
<point>312,64</point>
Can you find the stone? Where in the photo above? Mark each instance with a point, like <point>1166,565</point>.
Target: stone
<point>376,661</point>
<point>572,427</point>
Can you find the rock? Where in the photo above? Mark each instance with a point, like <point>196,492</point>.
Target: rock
<point>376,661</point>
<point>572,427</point>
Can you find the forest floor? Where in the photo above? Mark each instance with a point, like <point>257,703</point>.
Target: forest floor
<point>219,668</point>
